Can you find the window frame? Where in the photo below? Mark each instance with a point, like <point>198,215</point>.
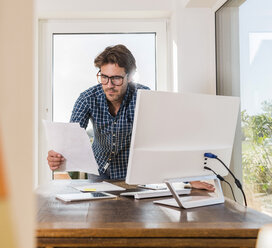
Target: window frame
<point>46,29</point>
<point>228,78</point>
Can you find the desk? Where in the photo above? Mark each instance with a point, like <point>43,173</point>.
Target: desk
<point>125,222</point>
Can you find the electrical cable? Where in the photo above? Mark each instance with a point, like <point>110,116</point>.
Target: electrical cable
<point>221,179</point>
<point>237,182</point>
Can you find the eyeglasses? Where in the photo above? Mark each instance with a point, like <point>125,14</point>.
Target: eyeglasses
<point>115,80</point>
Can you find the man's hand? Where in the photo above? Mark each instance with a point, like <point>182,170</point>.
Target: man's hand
<point>54,160</point>
<point>202,185</point>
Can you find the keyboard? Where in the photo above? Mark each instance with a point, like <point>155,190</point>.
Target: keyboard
<point>154,193</point>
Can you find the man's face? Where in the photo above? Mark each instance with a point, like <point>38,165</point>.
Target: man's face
<point>113,92</point>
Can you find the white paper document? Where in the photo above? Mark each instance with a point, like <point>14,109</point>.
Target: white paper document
<point>73,143</point>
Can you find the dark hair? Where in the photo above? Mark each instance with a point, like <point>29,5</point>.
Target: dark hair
<point>119,55</point>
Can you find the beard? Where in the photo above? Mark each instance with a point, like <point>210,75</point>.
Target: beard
<point>113,95</point>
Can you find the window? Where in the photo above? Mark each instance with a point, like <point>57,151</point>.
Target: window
<point>66,53</point>
<point>244,58</point>
<point>74,72</point>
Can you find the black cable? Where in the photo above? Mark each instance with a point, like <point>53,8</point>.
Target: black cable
<point>221,179</point>
<point>237,182</point>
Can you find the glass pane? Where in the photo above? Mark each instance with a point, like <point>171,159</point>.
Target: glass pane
<point>244,59</point>
<point>74,71</point>
<point>256,101</point>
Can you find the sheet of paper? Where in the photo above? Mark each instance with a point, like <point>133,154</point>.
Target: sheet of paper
<point>102,186</point>
<point>73,143</point>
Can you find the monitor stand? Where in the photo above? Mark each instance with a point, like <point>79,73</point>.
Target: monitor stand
<point>210,198</point>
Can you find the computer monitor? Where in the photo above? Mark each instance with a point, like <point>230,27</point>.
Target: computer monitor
<point>172,131</point>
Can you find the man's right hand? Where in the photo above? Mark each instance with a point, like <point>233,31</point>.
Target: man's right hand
<point>54,160</point>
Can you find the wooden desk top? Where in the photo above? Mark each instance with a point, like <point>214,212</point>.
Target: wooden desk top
<point>125,222</point>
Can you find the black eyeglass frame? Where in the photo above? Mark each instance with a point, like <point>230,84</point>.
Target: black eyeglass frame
<point>110,78</point>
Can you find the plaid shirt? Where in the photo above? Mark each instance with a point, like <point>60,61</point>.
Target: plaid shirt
<point>112,134</point>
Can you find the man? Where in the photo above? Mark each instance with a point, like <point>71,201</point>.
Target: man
<point>110,106</point>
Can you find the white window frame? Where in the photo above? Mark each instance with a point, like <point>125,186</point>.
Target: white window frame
<point>46,30</point>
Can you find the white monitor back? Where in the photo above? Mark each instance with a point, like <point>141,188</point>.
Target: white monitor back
<point>172,131</point>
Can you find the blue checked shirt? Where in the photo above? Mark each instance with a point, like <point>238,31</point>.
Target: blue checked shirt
<point>112,134</point>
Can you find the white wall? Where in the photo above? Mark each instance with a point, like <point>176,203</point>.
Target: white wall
<point>196,50</point>
<point>191,28</point>
<point>102,8</point>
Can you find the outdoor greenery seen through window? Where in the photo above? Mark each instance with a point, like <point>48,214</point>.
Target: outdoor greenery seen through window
<point>257,155</point>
